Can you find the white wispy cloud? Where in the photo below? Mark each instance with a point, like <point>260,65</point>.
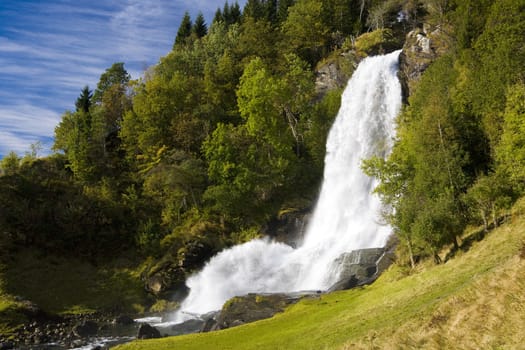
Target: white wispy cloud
<point>50,49</point>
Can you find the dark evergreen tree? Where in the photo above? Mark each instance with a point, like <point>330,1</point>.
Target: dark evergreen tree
<point>254,9</point>
<point>184,30</point>
<point>235,14</point>
<point>229,14</point>
<point>199,27</point>
<point>218,16</point>
<point>84,100</point>
<point>271,7</point>
<point>282,9</point>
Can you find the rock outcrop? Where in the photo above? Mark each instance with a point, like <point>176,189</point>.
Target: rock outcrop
<point>249,308</point>
<point>289,227</point>
<point>85,329</point>
<point>334,72</point>
<point>422,47</point>
<point>148,332</point>
<point>361,267</point>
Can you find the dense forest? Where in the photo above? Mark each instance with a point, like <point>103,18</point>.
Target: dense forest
<point>228,131</point>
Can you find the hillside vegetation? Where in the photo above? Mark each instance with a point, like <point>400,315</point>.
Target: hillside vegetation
<point>228,130</point>
<point>473,301</point>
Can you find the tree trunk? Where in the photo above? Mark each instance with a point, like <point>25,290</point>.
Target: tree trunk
<point>411,254</point>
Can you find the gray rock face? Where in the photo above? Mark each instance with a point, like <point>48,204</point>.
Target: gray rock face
<point>289,228</point>
<point>123,320</point>
<point>329,77</point>
<point>187,327</point>
<point>86,329</point>
<point>148,332</point>
<point>422,47</point>
<point>335,72</point>
<point>250,308</point>
<point>361,267</point>
<point>166,279</point>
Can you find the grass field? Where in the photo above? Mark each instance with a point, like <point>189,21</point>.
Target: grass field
<point>474,301</point>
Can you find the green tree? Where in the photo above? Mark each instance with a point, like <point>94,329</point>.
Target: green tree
<point>498,63</point>
<point>199,27</point>
<point>176,180</point>
<point>304,30</point>
<point>254,9</point>
<point>487,196</point>
<point>9,164</point>
<point>114,75</point>
<point>510,152</point>
<point>282,9</point>
<point>229,15</point>
<point>258,39</point>
<point>184,31</point>
<point>84,100</point>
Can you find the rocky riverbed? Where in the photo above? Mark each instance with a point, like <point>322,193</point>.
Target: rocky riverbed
<point>92,331</point>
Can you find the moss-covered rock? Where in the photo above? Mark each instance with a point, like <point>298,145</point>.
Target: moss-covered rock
<point>251,308</point>
<point>333,72</point>
<point>378,42</point>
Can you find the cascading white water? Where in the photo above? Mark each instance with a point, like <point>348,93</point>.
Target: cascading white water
<point>346,216</point>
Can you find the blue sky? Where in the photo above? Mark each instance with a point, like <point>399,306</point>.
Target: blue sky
<point>51,49</point>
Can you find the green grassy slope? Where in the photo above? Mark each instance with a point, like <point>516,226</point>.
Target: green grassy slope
<point>476,300</point>
<point>58,285</point>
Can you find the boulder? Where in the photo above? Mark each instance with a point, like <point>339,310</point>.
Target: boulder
<point>289,227</point>
<point>209,325</point>
<point>148,332</point>
<point>123,320</point>
<point>251,308</point>
<point>361,267</point>
<point>187,327</point>
<point>195,253</point>
<point>167,278</point>
<point>85,329</point>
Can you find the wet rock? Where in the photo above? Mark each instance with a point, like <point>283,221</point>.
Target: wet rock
<point>148,332</point>
<point>187,327</point>
<point>195,253</point>
<point>7,345</point>
<point>329,77</point>
<point>167,278</point>
<point>123,320</point>
<point>288,227</point>
<point>251,308</point>
<point>361,267</point>
<point>78,343</point>
<point>209,325</point>
<point>85,329</point>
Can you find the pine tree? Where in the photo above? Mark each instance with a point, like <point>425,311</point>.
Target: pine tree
<point>199,27</point>
<point>235,14</point>
<point>184,31</point>
<point>218,16</point>
<point>84,100</point>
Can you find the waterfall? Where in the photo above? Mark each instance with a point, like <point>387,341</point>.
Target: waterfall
<point>346,216</point>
